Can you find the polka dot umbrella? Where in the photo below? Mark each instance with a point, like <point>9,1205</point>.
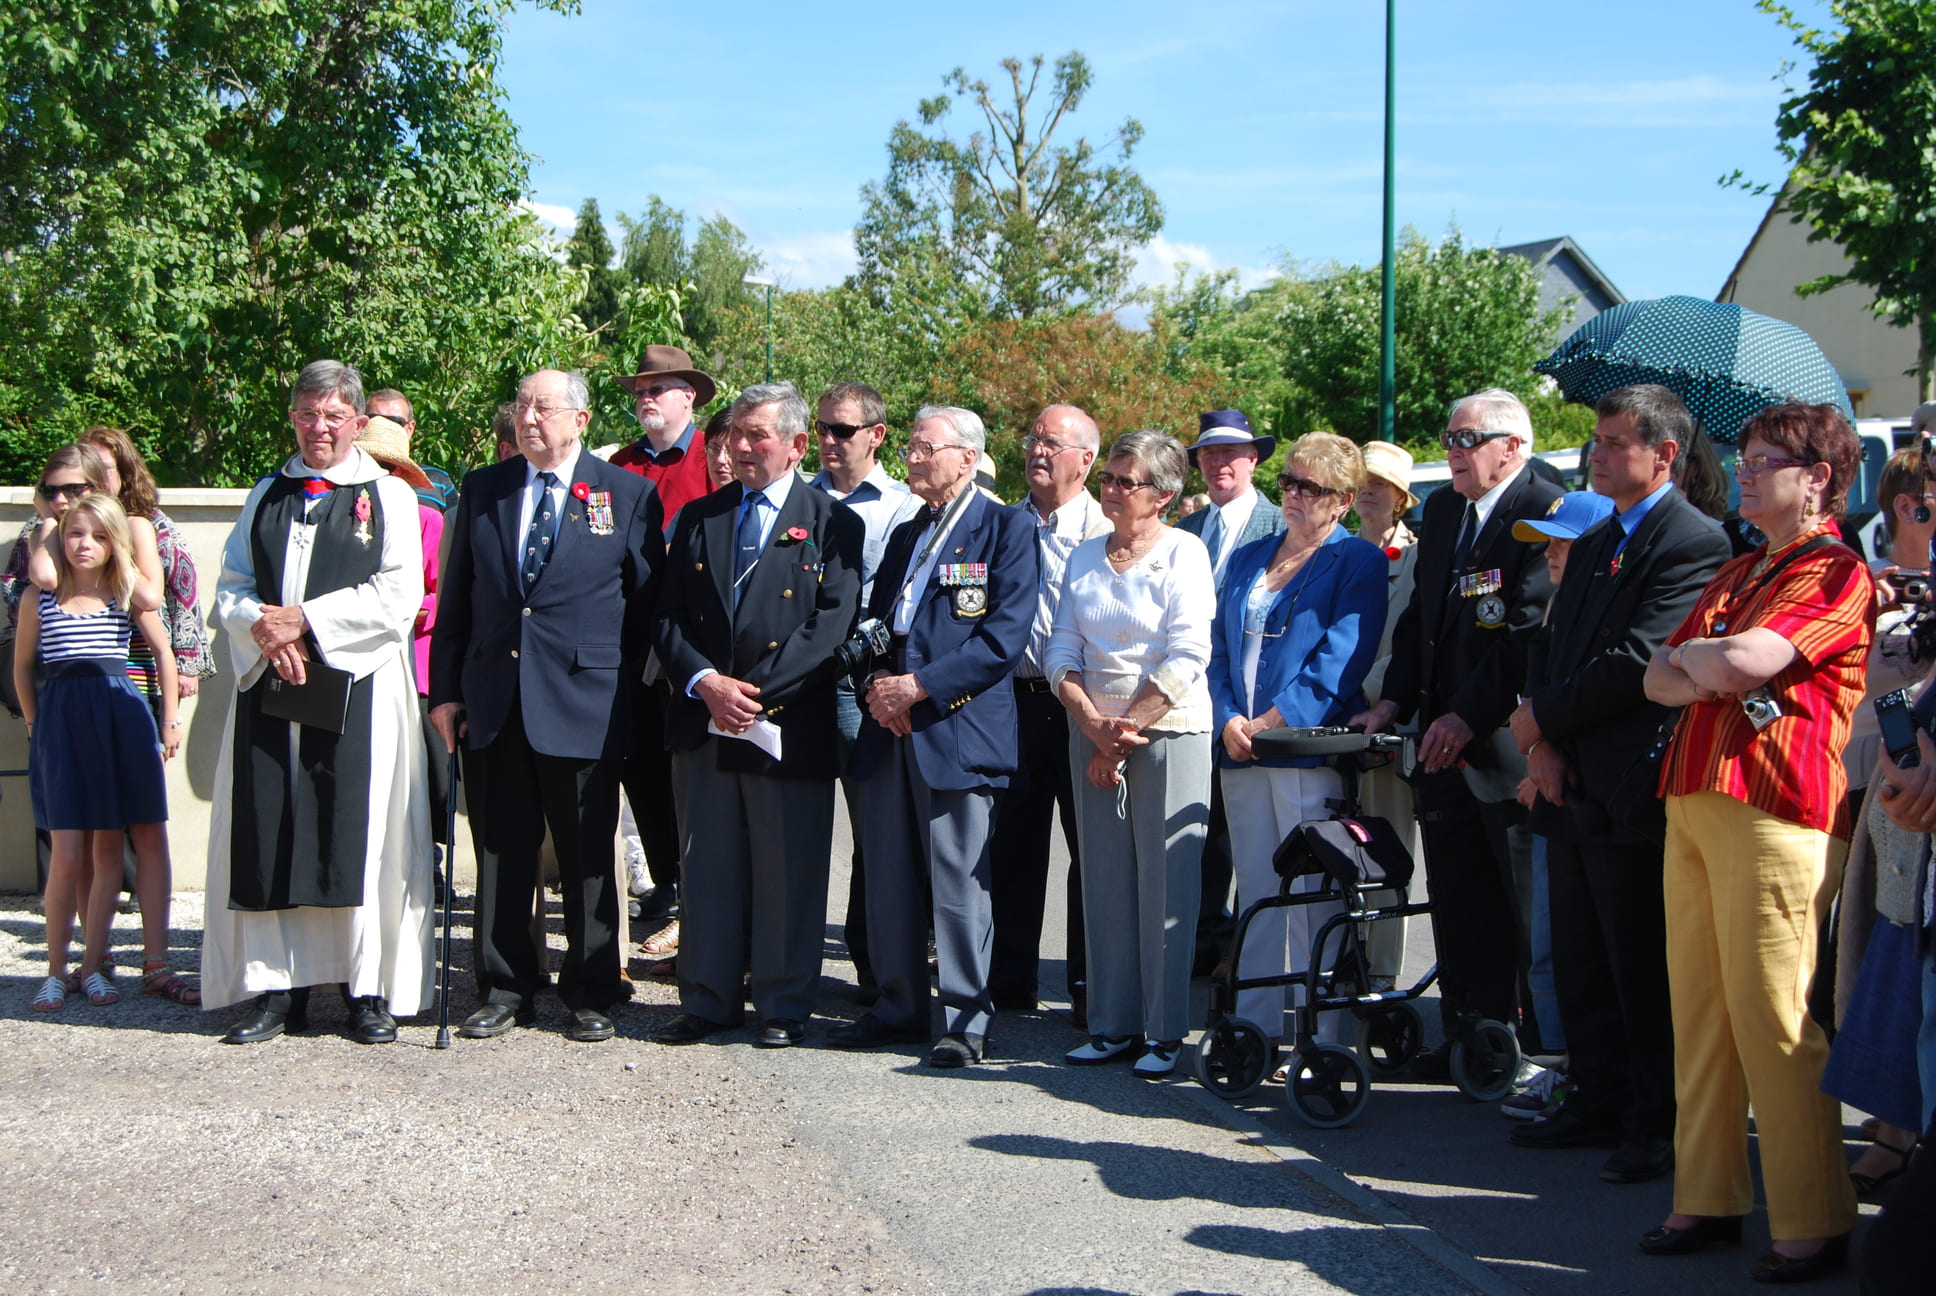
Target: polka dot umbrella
<point>1724,360</point>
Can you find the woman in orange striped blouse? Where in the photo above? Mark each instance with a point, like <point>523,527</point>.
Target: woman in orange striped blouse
<point>1768,668</point>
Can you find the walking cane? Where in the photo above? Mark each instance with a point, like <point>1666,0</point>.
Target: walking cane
<point>447,859</point>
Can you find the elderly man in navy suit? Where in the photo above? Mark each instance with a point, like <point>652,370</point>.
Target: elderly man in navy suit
<point>1227,453</point>
<point>957,590</point>
<point>543,619</point>
<point>762,585</point>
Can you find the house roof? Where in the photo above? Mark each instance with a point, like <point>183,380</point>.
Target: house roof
<point>1734,276</point>
<point>1542,251</point>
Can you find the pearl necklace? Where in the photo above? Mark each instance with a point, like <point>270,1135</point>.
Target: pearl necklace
<point>1135,551</point>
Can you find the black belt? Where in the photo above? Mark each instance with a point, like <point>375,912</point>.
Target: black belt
<point>1032,684</point>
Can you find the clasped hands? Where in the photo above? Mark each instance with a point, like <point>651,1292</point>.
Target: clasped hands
<point>891,699</point>
<point>1115,739</point>
<point>278,637</point>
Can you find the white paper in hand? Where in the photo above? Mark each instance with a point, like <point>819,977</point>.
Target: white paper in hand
<point>763,734</point>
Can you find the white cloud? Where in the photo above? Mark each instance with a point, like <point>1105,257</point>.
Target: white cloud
<point>1156,264</point>
<point>809,259</point>
<point>562,220</point>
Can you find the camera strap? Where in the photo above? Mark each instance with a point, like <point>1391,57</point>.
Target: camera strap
<point>1739,596</point>
<point>942,526</point>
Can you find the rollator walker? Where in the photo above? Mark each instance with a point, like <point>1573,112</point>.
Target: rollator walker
<point>1326,1084</point>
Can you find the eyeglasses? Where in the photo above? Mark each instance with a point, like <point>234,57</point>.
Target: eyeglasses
<point>1108,480</point>
<point>840,431</point>
<point>917,450</point>
<point>1307,489</point>
<point>1755,465</point>
<point>1032,443</point>
<point>69,490</point>
<point>542,409</point>
<point>659,389</point>
<point>316,418</point>
<point>1469,438</point>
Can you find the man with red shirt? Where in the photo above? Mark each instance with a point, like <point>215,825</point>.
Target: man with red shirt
<point>672,455</point>
<point>672,452</point>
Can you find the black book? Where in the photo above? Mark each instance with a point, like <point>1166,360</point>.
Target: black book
<point>321,701</point>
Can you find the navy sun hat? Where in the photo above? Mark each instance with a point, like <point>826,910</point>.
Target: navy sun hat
<point>1229,427</point>
<point>1568,519</point>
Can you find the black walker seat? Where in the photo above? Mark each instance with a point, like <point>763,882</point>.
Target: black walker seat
<point>1328,1084</point>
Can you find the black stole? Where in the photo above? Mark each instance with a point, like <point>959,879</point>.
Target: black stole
<point>306,845</point>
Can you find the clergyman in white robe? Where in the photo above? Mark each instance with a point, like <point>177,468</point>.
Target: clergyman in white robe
<point>382,946</point>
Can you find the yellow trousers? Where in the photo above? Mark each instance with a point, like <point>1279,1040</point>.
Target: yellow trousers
<point>1746,894</point>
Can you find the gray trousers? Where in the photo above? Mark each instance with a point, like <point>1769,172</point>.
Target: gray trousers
<point>1142,883</point>
<point>927,858</point>
<point>752,888</point>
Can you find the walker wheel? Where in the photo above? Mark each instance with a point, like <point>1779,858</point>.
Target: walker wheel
<point>1327,1085</point>
<point>1485,1061</point>
<point>1390,1035</point>
<point>1232,1058</point>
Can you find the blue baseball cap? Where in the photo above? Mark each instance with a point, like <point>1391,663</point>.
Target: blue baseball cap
<point>1570,516</point>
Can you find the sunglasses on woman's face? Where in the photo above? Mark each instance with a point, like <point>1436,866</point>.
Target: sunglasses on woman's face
<point>69,490</point>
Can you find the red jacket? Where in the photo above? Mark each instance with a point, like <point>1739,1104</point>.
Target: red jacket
<point>680,475</point>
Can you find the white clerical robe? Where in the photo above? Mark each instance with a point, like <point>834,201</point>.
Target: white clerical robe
<point>383,946</point>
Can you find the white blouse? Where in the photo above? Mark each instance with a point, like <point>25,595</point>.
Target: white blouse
<point>1151,622</point>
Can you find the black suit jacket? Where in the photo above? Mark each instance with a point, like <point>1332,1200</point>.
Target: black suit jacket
<point>797,604</point>
<point>1443,658</point>
<point>572,652</point>
<point>1586,684</point>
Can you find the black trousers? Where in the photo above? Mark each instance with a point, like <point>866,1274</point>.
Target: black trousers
<point>647,777</point>
<point>514,794</point>
<point>1474,852</point>
<point>1216,925</point>
<point>1610,970</point>
<point>1019,850</point>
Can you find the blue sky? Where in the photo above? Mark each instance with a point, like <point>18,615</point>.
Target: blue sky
<point>1262,121</point>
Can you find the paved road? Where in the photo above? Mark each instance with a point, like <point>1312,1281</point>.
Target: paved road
<point>146,1156</point>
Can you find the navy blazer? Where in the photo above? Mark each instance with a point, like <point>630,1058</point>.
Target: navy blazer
<point>797,604</point>
<point>1327,623</point>
<point>572,652</point>
<point>965,733</point>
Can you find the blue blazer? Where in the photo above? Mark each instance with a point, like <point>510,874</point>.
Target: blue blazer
<point>1266,519</point>
<point>572,652</point>
<point>965,732</point>
<point>1327,623</point>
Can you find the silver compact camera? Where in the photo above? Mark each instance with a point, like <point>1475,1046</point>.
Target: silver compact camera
<point>1761,708</point>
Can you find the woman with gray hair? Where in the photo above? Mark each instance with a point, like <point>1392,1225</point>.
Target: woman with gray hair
<point>1127,658</point>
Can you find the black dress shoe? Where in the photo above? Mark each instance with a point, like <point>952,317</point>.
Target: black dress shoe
<point>285,1012</point>
<point>688,1028</point>
<point>871,1032</point>
<point>1778,1268</point>
<point>1640,1158</point>
<point>371,1022</point>
<point>493,1019</point>
<point>955,1050</point>
<point>590,1025</point>
<point>660,901</point>
<point>1709,1230</point>
<point>1014,1001</point>
<point>782,1032</point>
<point>1566,1129</point>
<point>1434,1065</point>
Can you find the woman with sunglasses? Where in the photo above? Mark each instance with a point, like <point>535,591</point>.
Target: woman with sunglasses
<point>1298,627</point>
<point>1126,657</point>
<point>1768,669</point>
<point>70,473</point>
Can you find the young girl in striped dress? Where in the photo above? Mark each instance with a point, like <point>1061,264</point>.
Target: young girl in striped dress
<point>94,759</point>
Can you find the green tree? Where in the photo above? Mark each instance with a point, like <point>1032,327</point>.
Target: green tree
<point>1862,143</point>
<point>1006,224</point>
<point>590,250</point>
<point>707,273</point>
<point>1468,319</point>
<point>197,197</point>
<point>654,247</point>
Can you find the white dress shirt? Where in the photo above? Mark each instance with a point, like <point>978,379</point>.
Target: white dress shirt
<point>1056,537</point>
<point>528,505</point>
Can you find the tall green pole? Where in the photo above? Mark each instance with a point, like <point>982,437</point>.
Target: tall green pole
<point>1388,313</point>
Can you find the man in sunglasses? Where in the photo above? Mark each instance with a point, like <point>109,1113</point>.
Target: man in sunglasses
<point>850,427</point>
<point>1458,662</point>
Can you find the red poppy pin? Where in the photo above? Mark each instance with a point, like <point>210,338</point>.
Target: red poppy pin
<point>1394,553</point>
<point>580,490</point>
<point>796,534</point>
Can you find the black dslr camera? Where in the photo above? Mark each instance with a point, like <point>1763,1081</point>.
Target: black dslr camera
<point>870,643</point>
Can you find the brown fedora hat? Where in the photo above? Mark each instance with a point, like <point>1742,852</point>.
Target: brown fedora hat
<point>671,362</point>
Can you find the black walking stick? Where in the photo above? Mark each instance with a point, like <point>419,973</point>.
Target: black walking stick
<point>447,859</point>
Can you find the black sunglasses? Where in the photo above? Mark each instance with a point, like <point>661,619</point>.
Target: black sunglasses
<point>1469,438</point>
<point>1308,489</point>
<point>72,490</point>
<point>840,431</point>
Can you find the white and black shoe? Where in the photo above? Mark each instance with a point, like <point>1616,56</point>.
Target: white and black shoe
<point>1158,1060</point>
<point>1099,1050</point>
